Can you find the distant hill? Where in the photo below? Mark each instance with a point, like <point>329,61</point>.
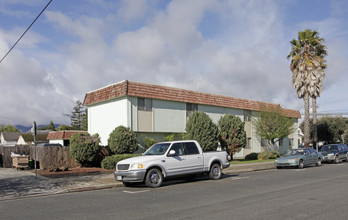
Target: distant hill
<point>24,129</point>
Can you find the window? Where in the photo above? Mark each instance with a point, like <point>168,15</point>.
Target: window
<point>178,148</point>
<point>291,142</point>
<point>281,142</point>
<point>247,115</point>
<point>264,142</point>
<point>190,108</point>
<point>248,143</point>
<point>144,104</point>
<point>190,148</point>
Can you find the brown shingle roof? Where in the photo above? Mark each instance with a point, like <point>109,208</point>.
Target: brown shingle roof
<point>173,94</point>
<point>62,135</point>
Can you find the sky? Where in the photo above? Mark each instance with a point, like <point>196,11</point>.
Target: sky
<point>236,48</point>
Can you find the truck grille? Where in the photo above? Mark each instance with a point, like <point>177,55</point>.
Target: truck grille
<point>122,166</point>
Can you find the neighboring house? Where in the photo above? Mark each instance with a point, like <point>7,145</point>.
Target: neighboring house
<point>156,111</point>
<point>28,138</point>
<point>9,138</point>
<point>300,136</point>
<point>61,137</point>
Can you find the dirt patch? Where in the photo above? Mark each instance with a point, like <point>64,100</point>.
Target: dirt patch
<point>78,171</point>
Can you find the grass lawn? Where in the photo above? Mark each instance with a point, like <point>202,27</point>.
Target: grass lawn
<point>250,161</point>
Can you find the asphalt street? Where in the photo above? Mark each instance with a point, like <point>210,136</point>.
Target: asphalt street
<point>310,193</point>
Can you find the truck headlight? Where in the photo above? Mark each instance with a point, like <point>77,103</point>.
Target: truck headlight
<point>137,166</point>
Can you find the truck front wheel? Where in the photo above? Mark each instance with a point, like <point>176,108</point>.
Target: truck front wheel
<point>154,178</point>
<point>215,172</point>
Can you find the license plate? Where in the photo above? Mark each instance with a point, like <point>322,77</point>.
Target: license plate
<point>119,178</point>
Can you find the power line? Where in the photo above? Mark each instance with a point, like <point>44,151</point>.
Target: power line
<point>26,31</point>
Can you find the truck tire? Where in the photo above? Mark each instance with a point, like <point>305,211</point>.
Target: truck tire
<point>215,172</point>
<point>154,178</point>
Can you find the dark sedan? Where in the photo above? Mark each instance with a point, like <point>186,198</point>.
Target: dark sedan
<point>334,152</point>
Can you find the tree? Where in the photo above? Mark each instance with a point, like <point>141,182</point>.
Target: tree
<point>307,66</point>
<point>331,129</point>
<point>79,117</point>
<point>64,128</point>
<point>232,133</point>
<point>8,128</point>
<point>85,148</point>
<point>201,128</point>
<point>49,127</point>
<point>273,125</point>
<point>122,140</point>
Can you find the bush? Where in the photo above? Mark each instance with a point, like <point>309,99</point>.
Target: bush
<point>170,137</point>
<point>232,133</point>
<point>252,156</point>
<point>148,142</point>
<point>122,140</point>
<point>84,148</point>
<point>268,155</point>
<point>201,128</point>
<point>110,162</point>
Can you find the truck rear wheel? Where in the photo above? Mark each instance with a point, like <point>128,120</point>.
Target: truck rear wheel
<point>154,178</point>
<point>215,172</point>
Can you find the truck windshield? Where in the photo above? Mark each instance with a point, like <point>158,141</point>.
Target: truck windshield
<point>157,149</point>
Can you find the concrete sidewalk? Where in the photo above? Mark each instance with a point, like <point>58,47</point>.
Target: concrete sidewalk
<point>16,184</point>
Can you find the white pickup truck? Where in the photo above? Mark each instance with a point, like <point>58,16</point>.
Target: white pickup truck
<point>168,159</point>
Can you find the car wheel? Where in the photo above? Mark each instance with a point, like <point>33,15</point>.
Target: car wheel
<point>337,160</point>
<point>215,172</point>
<point>318,162</point>
<point>279,167</point>
<point>300,165</point>
<point>154,178</point>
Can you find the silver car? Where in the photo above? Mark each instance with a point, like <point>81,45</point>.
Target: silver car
<point>299,158</point>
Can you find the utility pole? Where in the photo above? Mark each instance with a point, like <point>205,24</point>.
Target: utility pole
<point>34,131</point>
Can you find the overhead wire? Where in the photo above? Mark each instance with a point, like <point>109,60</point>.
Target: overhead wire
<point>26,31</point>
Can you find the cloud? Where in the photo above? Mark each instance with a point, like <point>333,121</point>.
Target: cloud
<point>234,48</point>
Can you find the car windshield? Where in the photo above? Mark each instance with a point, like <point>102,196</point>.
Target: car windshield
<point>295,152</point>
<point>329,148</point>
<point>157,149</point>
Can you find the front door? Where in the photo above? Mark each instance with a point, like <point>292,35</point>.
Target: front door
<point>176,164</point>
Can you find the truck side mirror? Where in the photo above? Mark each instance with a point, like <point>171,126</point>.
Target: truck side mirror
<point>172,153</point>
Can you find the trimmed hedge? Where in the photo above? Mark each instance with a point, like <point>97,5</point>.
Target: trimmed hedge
<point>85,149</point>
<point>252,156</point>
<point>110,162</point>
<point>268,155</point>
<point>123,140</point>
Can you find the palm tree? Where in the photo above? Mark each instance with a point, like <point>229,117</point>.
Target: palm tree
<point>307,66</point>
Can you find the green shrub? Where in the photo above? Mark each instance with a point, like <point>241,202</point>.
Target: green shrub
<point>148,142</point>
<point>252,156</point>
<point>170,137</point>
<point>232,133</point>
<point>268,155</point>
<point>122,140</point>
<point>110,162</point>
<point>201,128</point>
<point>84,148</point>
